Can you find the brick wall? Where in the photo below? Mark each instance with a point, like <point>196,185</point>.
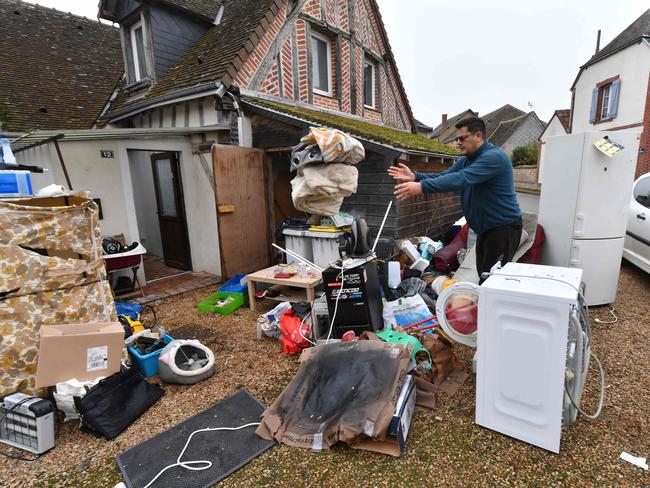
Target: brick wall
<point>293,70</point>
<point>265,33</point>
<point>643,162</point>
<point>286,57</point>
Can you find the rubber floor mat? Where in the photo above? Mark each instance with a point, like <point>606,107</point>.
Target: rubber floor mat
<point>226,450</point>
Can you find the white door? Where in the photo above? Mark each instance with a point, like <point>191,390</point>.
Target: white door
<point>605,187</point>
<point>600,260</point>
<point>520,369</point>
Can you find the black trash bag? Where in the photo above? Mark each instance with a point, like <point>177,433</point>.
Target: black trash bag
<point>116,402</point>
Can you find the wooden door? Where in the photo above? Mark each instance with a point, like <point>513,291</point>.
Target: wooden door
<point>171,210</point>
<point>243,213</point>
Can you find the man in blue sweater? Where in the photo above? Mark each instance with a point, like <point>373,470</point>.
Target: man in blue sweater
<point>483,175</point>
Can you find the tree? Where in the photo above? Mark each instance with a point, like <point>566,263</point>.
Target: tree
<point>522,155</point>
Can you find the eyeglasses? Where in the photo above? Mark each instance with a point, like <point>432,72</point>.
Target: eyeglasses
<point>462,138</point>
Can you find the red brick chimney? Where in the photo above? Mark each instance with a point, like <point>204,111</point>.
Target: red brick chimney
<point>444,119</point>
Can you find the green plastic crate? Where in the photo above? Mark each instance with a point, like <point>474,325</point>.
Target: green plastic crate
<point>211,304</point>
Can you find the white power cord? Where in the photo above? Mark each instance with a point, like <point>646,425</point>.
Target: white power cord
<point>336,304</point>
<point>302,322</point>
<point>612,311</point>
<point>601,400</point>
<point>188,464</point>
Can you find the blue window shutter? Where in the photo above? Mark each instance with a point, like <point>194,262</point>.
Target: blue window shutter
<point>613,98</point>
<point>594,102</point>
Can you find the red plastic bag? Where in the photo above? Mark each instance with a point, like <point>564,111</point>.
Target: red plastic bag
<point>292,327</point>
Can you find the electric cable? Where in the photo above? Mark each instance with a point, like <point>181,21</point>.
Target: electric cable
<point>601,400</point>
<point>203,464</point>
<point>336,306</point>
<point>301,324</point>
<point>612,311</point>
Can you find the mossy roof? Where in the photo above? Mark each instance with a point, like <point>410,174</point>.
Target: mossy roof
<point>359,128</point>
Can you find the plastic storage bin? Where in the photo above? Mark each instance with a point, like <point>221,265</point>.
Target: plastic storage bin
<point>325,247</point>
<point>211,304</point>
<point>236,284</point>
<point>147,364</point>
<point>298,242</point>
<point>15,183</point>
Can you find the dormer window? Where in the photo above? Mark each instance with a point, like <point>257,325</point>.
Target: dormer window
<point>137,52</point>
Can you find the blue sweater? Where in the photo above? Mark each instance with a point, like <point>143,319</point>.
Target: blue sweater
<point>485,182</point>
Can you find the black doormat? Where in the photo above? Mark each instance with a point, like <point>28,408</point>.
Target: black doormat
<point>226,450</point>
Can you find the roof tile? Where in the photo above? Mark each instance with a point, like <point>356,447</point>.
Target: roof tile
<point>58,70</point>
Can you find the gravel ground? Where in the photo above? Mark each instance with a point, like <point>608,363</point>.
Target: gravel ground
<point>445,447</point>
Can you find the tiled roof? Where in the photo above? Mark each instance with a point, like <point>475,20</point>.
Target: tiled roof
<point>450,121</point>
<point>57,70</point>
<point>508,127</point>
<point>564,116</point>
<point>359,128</point>
<point>637,30</point>
<point>502,114</point>
<point>203,8</point>
<point>211,56</point>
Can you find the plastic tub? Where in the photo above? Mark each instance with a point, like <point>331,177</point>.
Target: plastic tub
<point>296,241</point>
<point>236,284</point>
<point>147,364</point>
<point>325,247</point>
<point>212,305</point>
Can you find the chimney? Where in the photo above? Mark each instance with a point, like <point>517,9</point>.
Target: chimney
<point>444,119</point>
<point>598,42</point>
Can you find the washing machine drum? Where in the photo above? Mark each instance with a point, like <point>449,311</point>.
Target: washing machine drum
<point>185,362</point>
<point>457,312</point>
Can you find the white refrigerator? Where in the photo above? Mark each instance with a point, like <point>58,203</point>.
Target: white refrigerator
<point>583,207</point>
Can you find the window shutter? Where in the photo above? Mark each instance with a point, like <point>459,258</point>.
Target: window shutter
<point>612,110</point>
<point>594,108</point>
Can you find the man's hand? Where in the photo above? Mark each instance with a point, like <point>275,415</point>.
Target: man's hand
<point>401,173</point>
<point>404,191</point>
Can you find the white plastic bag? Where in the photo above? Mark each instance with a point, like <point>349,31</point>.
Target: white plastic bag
<point>405,311</point>
<point>65,393</point>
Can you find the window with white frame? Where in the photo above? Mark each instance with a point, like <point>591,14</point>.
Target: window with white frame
<point>137,51</point>
<point>369,83</point>
<point>321,64</point>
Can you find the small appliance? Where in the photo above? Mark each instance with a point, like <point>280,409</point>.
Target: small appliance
<point>27,423</point>
<point>530,327</point>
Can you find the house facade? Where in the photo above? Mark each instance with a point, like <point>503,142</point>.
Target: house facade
<point>612,90</point>
<point>520,131</point>
<point>214,95</point>
<point>557,126</point>
<point>445,132</point>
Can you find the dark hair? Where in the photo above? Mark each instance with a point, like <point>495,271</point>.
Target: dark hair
<point>473,124</point>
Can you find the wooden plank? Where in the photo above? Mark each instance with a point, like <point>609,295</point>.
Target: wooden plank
<point>240,181</point>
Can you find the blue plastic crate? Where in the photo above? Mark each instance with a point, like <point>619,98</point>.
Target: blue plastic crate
<point>147,364</point>
<point>233,285</point>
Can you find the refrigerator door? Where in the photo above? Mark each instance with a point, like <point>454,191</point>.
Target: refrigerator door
<point>520,369</point>
<point>600,260</point>
<point>605,186</point>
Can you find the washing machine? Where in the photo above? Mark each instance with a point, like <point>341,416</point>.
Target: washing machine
<point>529,326</point>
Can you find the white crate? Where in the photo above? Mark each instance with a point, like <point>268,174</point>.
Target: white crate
<point>325,247</point>
<point>298,242</point>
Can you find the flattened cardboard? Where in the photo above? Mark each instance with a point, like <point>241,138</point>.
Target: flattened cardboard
<point>81,351</point>
<point>279,420</point>
<point>398,430</point>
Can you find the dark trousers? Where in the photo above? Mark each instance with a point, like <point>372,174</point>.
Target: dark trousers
<point>497,244</point>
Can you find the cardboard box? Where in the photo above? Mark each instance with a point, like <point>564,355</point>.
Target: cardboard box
<point>398,430</point>
<point>81,351</point>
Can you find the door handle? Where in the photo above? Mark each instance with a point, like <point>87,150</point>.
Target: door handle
<point>640,216</point>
